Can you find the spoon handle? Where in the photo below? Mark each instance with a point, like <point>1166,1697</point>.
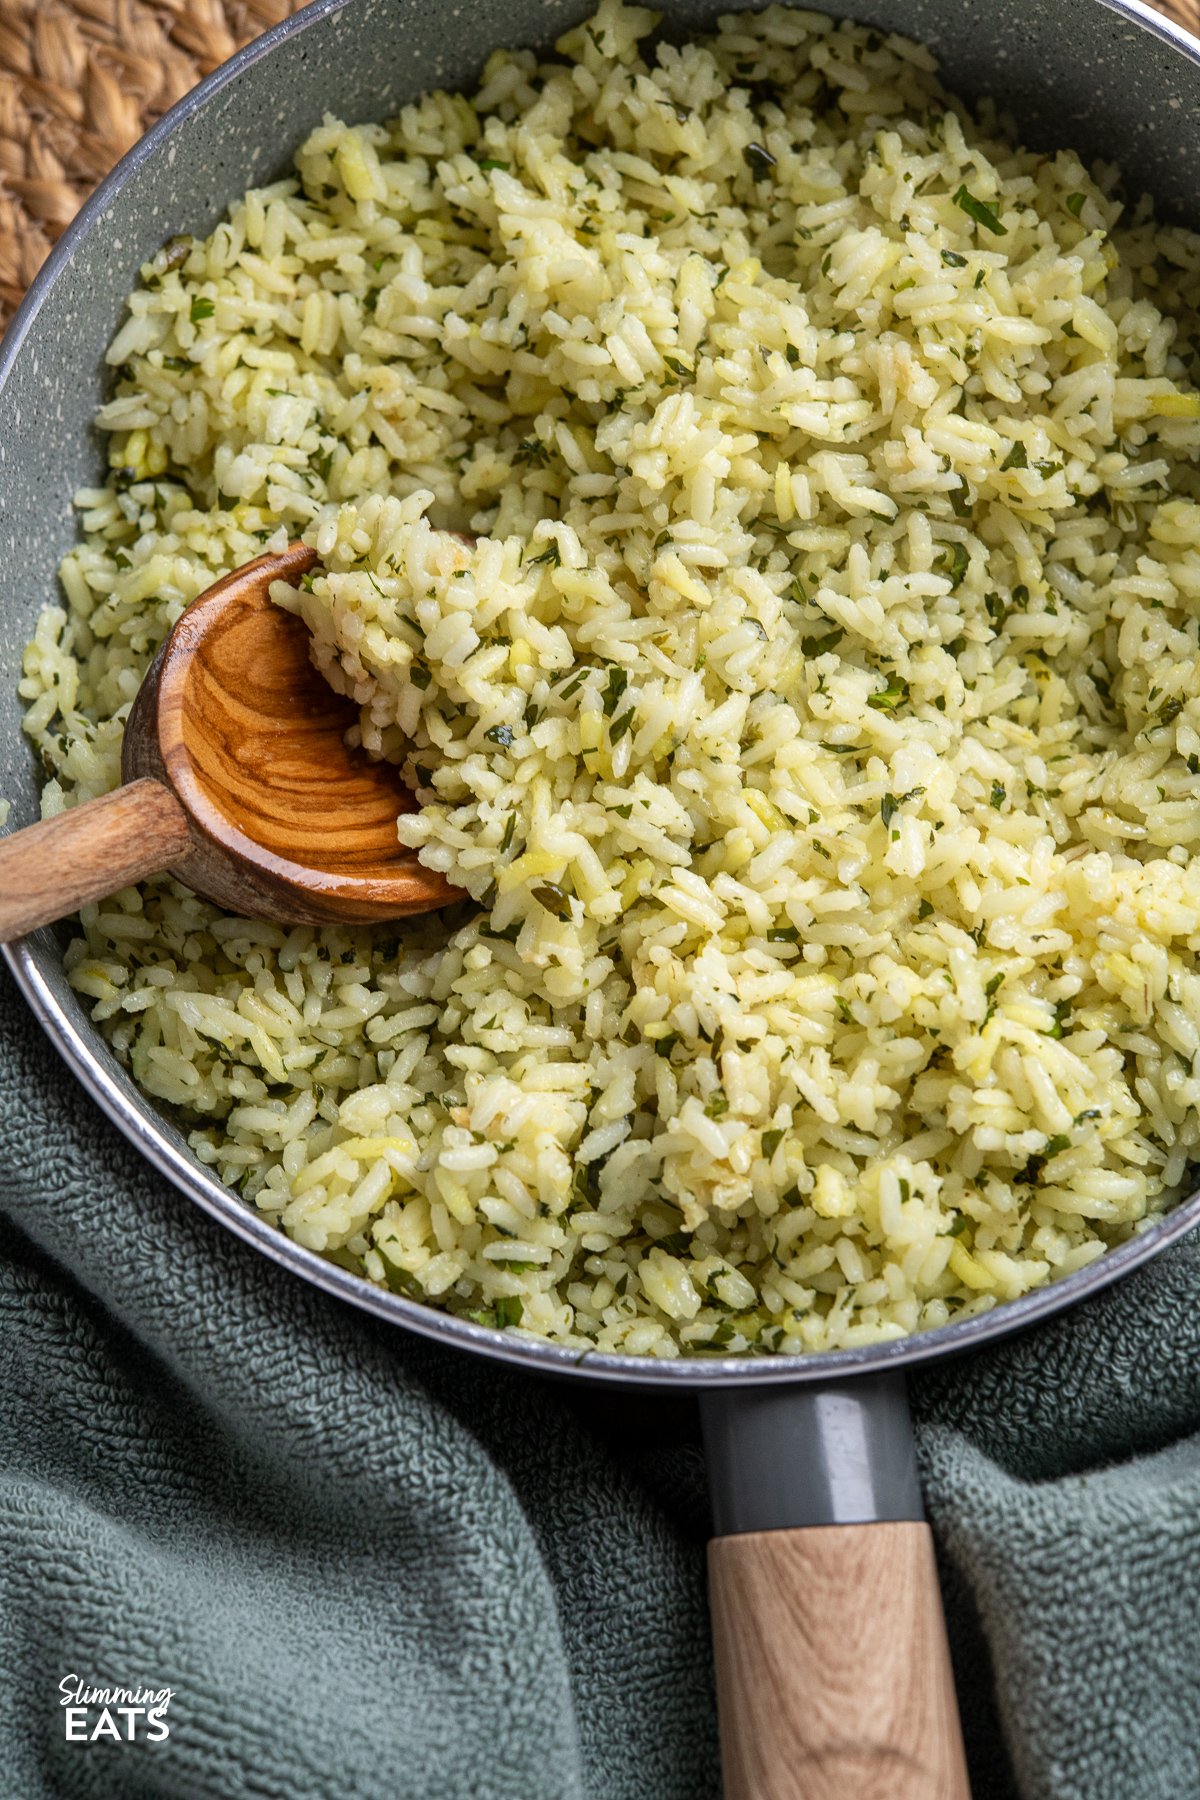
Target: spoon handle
<point>54,868</point>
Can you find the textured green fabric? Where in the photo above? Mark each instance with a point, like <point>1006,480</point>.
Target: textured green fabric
<point>369,1567</point>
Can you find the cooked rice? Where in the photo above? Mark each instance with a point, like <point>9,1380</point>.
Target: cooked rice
<point>815,723</point>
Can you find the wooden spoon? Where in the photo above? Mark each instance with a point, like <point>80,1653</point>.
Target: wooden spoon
<point>238,780</point>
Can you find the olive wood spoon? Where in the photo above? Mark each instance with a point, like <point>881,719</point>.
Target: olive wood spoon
<point>238,780</point>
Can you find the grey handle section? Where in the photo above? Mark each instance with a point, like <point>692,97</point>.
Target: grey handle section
<point>820,1453</point>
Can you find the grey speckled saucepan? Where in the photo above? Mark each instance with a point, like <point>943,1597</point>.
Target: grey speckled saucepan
<point>819,1441</point>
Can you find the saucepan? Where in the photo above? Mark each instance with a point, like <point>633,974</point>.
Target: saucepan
<point>832,1668</point>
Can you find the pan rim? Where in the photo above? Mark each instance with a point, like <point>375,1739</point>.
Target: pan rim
<point>147,1130</point>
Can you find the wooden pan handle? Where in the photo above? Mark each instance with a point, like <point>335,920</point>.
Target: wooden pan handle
<point>833,1675</point>
<point>54,868</point>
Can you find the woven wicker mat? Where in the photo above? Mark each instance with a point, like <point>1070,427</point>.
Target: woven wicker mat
<point>80,80</point>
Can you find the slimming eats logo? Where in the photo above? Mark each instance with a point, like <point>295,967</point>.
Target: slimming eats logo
<point>91,1714</point>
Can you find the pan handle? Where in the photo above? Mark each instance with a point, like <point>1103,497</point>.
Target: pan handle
<point>833,1672</point>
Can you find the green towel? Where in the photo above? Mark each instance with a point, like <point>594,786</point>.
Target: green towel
<point>367,1566</point>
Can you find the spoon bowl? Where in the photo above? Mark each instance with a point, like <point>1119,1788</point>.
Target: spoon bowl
<point>239,780</point>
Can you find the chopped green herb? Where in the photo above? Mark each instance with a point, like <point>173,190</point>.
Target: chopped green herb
<point>491,162</point>
<point>401,1281</point>
<point>618,681</point>
<point>960,499</point>
<point>551,554</point>
<point>925,909</point>
<point>980,211</point>
<point>1062,1013</point>
<point>1075,203</point>
<point>1017,458</point>
<point>716,1104</point>
<point>419,675</point>
<point>553,898</point>
<point>500,734</point>
<point>202,308</point>
<point>953,260</point>
<point>998,796</point>
<point>818,646</point>
<point>955,560</point>
<point>783,934</point>
<point>890,805</point>
<point>618,729</point>
<point>771,1141</point>
<point>509,1309</point>
<point>889,698</point>
<point>507,839</point>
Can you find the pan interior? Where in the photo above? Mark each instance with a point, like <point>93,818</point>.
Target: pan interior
<point>1072,72</point>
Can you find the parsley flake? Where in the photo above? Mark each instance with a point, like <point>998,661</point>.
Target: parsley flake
<point>889,698</point>
<point>553,898</point>
<point>980,211</point>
